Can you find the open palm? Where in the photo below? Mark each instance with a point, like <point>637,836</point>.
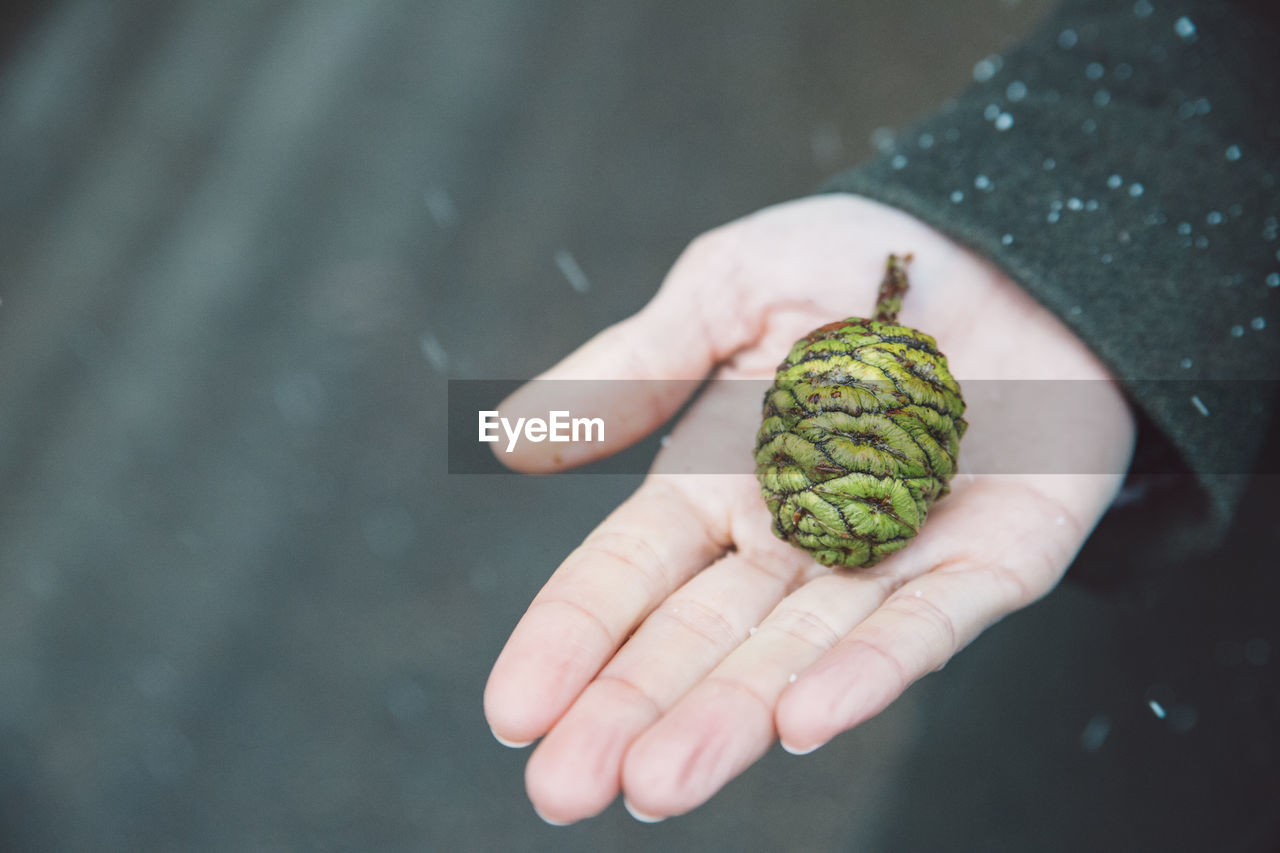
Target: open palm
<point>681,639</point>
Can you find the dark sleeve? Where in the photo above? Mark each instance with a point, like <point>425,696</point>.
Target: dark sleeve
<point>1121,165</point>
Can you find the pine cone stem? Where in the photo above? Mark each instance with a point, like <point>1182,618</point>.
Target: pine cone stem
<point>892,286</point>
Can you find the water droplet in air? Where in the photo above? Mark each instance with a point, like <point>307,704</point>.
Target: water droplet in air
<point>991,113</point>
<point>1214,218</point>
<point>1091,205</point>
<point>1094,71</point>
<point>1004,121</point>
<point>898,161</point>
<point>1185,29</point>
<point>926,140</point>
<point>1184,228</point>
<point>1237,331</point>
<point>434,352</point>
<point>1258,323</point>
<point>1053,216</point>
<point>571,271</point>
<point>1257,651</point>
<point>1106,258</point>
<point>1143,8</point>
<point>1123,71</point>
<point>1273,280</point>
<point>1067,39</point>
<point>1089,125</point>
<point>1007,240</point>
<point>982,182</point>
<point>1233,153</point>
<point>441,207</point>
<point>1049,163</point>
<point>882,139</point>
<point>1016,91</point>
<point>957,197</point>
<point>1074,203</point>
<point>1095,733</point>
<point>1115,182</point>
<point>1185,364</point>
<point>1101,98</point>
<point>1136,189</point>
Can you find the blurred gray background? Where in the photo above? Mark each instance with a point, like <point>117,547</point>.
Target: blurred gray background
<point>242,605</point>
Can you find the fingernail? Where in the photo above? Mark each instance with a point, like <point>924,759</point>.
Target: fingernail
<point>639,815</point>
<point>795,750</point>
<point>511,744</point>
<point>548,820</point>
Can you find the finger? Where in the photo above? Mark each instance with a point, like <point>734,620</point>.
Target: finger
<point>1025,540</point>
<point>725,723</point>
<point>575,771</point>
<point>647,547</point>
<point>635,374</point>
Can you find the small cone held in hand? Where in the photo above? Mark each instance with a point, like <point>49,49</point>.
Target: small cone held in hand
<point>861,434</point>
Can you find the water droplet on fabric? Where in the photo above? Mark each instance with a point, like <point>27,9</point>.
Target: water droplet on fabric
<point>987,68</point>
<point>882,139</point>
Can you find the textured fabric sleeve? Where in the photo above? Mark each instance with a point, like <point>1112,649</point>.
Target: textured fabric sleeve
<point>1121,165</point>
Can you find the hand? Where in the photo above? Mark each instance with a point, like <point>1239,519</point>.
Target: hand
<point>671,649</point>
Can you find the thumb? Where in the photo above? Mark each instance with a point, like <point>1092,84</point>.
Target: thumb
<point>637,373</point>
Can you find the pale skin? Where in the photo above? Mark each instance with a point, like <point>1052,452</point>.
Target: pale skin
<point>681,640</point>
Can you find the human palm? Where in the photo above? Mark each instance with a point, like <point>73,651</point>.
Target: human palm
<point>681,639</point>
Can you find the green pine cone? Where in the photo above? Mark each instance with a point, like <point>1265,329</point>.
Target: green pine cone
<point>861,435</point>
